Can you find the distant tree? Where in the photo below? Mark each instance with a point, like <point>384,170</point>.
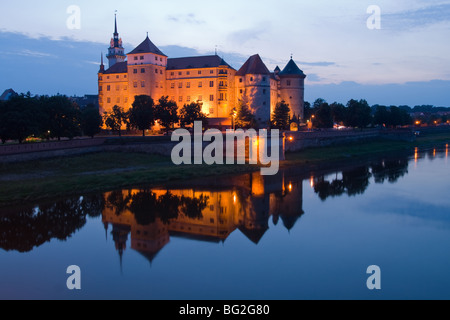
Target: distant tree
<point>19,118</point>
<point>307,111</point>
<point>323,116</point>
<point>167,113</point>
<point>116,119</point>
<point>192,112</point>
<point>142,113</point>
<point>359,114</point>
<point>338,112</point>
<point>281,117</point>
<point>63,117</point>
<point>423,108</point>
<point>91,120</point>
<point>244,117</point>
<point>381,116</point>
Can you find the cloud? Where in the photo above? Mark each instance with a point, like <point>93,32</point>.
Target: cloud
<point>185,19</point>
<point>245,35</point>
<point>417,18</point>
<point>318,64</point>
<point>35,54</point>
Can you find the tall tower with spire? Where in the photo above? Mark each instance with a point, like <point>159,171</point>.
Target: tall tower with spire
<point>115,51</point>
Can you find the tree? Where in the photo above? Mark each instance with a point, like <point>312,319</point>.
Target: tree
<point>307,111</point>
<point>359,114</point>
<point>116,119</point>
<point>63,117</point>
<point>91,120</point>
<point>18,118</point>
<point>281,117</point>
<point>192,112</point>
<point>381,116</point>
<point>142,113</point>
<point>323,117</point>
<point>167,113</point>
<point>244,118</point>
<point>339,112</point>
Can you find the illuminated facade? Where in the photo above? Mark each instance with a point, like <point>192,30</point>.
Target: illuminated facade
<point>146,70</point>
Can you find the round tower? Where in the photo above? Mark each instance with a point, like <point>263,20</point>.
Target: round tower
<point>292,89</point>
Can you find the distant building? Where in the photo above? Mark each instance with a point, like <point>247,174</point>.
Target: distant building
<point>146,70</point>
<point>84,101</point>
<point>8,94</point>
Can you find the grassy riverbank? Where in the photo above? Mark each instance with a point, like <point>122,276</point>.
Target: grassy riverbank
<point>45,179</point>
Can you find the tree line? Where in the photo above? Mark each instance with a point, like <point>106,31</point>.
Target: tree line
<point>144,114</point>
<point>46,117</point>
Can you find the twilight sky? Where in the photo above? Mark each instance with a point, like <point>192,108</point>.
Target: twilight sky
<point>407,61</point>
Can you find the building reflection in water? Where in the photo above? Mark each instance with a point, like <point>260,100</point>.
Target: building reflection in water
<point>152,217</point>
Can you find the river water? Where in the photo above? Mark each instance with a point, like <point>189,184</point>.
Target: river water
<point>307,233</point>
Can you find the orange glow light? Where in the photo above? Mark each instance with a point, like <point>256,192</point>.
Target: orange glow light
<point>311,182</point>
<point>291,138</point>
<point>416,155</point>
<point>290,187</point>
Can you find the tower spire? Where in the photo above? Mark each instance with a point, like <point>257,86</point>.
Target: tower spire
<point>115,23</point>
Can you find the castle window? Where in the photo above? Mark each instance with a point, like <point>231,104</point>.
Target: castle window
<point>135,58</point>
<point>100,78</point>
<point>156,58</point>
<point>180,99</point>
<point>100,88</point>
<point>188,85</point>
<point>211,97</point>
<point>108,88</point>
<point>125,88</point>
<point>172,85</point>
<point>240,80</point>
<point>211,71</point>
<point>211,84</point>
<point>188,99</point>
<point>134,71</point>
<point>172,73</point>
<point>200,84</point>
<point>142,70</point>
<point>180,73</point>
<point>156,71</point>
<point>199,72</point>
<point>107,77</point>
<point>118,100</point>
<point>288,82</point>
<point>241,91</point>
<point>117,88</point>
<point>264,103</point>
<point>135,84</point>
<point>188,73</point>
<point>108,100</point>
<point>180,85</point>
<point>251,78</point>
<point>142,57</point>
<point>125,76</point>
<point>143,84</point>
<point>117,77</point>
<point>211,111</point>
<point>264,79</point>
<point>160,71</point>
<point>160,59</point>
<point>157,85</point>
<point>125,99</point>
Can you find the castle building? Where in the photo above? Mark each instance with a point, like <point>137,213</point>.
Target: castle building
<point>146,70</point>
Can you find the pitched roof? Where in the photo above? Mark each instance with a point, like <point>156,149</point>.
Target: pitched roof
<point>119,67</point>
<point>254,65</point>
<point>8,94</point>
<point>196,62</point>
<point>147,47</point>
<point>292,69</point>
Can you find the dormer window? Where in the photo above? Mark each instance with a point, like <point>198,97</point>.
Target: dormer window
<point>142,57</point>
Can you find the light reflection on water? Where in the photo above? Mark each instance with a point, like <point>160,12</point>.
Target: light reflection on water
<point>301,234</point>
